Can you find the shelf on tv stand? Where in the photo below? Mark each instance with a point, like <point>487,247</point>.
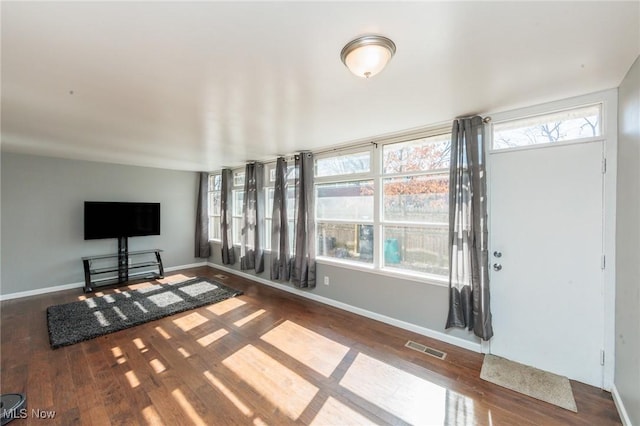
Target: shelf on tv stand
<point>93,278</point>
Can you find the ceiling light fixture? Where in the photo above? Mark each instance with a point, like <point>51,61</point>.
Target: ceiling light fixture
<point>366,56</point>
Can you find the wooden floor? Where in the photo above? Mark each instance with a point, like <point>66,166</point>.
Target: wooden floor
<point>266,357</point>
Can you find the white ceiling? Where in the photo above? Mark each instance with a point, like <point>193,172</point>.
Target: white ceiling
<point>199,86</point>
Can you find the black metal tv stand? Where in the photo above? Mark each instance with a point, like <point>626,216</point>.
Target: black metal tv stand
<point>94,276</point>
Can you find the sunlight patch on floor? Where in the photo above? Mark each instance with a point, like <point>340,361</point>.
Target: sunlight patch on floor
<point>132,378</point>
<point>140,286</point>
<point>310,348</point>
<point>157,365</point>
<point>163,333</point>
<point>411,398</point>
<point>151,416</point>
<point>283,388</point>
<point>259,422</point>
<point>118,355</point>
<point>184,352</point>
<point>116,352</point>
<point>101,319</point>
<point>140,345</point>
<point>333,412</point>
<point>187,407</point>
<point>190,321</point>
<point>174,279</point>
<point>212,337</point>
<point>164,299</point>
<point>228,393</point>
<point>249,318</point>
<point>225,306</point>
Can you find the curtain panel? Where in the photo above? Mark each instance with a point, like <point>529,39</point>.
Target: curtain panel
<point>469,302</point>
<point>280,250</point>
<point>253,229</point>
<point>303,274</point>
<point>228,255</point>
<point>203,249</point>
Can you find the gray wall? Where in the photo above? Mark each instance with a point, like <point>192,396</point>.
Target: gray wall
<point>418,303</point>
<point>42,216</point>
<point>627,374</point>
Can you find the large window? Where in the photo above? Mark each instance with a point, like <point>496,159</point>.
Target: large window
<point>383,207</point>
<point>345,207</point>
<point>237,203</point>
<point>387,207</point>
<point>415,198</point>
<point>215,184</point>
<point>270,181</point>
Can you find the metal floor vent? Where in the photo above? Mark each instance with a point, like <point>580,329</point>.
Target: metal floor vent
<point>220,276</point>
<point>425,349</point>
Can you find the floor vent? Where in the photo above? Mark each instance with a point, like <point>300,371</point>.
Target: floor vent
<point>425,349</point>
<point>220,276</point>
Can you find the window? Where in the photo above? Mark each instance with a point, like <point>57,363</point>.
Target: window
<point>573,124</point>
<point>214,193</point>
<point>270,179</point>
<point>237,203</point>
<point>347,164</point>
<point>415,205</point>
<point>344,193</point>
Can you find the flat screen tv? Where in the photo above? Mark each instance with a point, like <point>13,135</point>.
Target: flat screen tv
<point>106,219</point>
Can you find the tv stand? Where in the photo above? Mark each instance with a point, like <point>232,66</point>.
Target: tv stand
<point>124,263</point>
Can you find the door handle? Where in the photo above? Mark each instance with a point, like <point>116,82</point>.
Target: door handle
<point>497,267</point>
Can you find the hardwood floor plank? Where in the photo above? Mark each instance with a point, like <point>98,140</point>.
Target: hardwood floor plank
<point>265,357</point>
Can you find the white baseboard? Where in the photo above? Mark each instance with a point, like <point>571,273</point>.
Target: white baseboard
<point>45,290</point>
<point>191,265</point>
<point>624,416</point>
<point>476,347</point>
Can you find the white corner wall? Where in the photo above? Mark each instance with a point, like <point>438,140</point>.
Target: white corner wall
<point>627,336</point>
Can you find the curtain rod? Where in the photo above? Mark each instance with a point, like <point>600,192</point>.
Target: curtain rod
<point>399,137</point>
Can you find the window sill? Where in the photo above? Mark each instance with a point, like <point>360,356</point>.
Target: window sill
<point>393,273</point>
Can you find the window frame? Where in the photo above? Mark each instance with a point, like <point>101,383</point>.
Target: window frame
<point>238,176</point>
<point>377,175</point>
<point>383,223</point>
<point>344,178</point>
<point>540,111</point>
<point>268,212</point>
<point>210,202</point>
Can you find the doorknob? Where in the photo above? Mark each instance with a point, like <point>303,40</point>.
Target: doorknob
<point>497,253</point>
<point>497,266</point>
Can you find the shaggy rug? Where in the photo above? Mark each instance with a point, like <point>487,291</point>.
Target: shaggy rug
<point>77,321</point>
<point>539,384</point>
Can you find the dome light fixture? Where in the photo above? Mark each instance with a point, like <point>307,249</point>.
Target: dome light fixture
<point>367,55</point>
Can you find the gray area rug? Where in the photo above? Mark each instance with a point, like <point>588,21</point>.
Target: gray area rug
<point>538,384</point>
<point>83,320</point>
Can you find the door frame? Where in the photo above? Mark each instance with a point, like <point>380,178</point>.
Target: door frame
<point>609,101</point>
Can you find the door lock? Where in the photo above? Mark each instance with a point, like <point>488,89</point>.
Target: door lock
<point>497,253</point>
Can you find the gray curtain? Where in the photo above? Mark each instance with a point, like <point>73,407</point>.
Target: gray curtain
<point>251,245</point>
<point>303,274</point>
<point>469,304</point>
<point>280,250</point>
<point>228,255</point>
<point>203,249</point>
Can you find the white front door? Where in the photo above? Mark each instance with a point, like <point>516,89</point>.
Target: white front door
<point>546,235</point>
